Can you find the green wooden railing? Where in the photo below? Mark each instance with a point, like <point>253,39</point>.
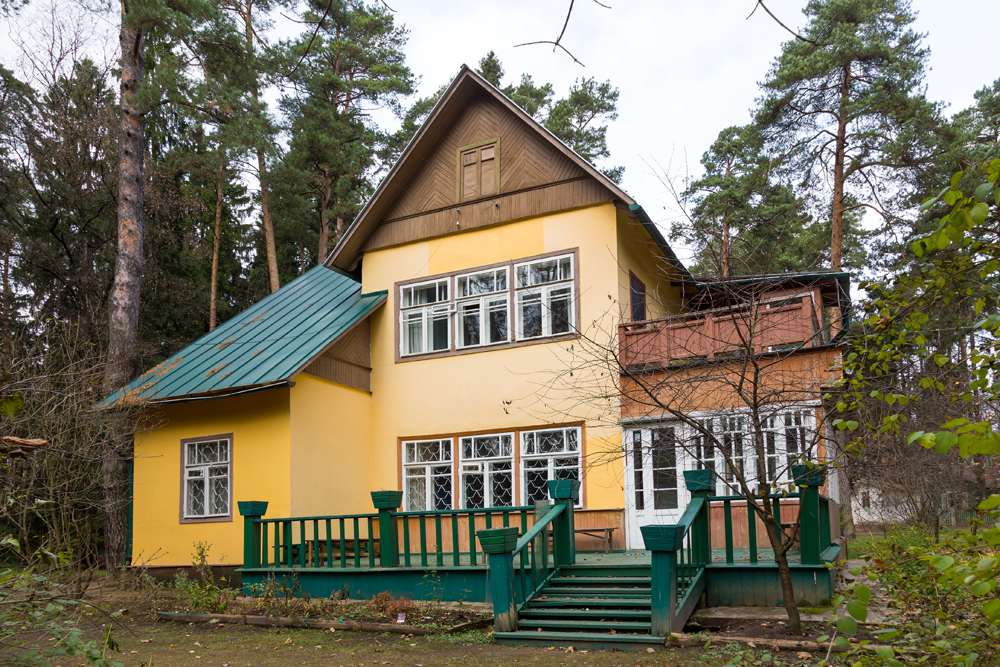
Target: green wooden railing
<point>387,539</point>
<point>521,567</point>
<point>727,514</point>
<point>679,554</point>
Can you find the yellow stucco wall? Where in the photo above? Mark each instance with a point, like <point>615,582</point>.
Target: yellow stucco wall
<point>260,427</point>
<point>467,392</point>
<point>330,432</point>
<point>638,253</point>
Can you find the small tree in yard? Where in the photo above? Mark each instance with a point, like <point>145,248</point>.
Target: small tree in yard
<point>725,383</point>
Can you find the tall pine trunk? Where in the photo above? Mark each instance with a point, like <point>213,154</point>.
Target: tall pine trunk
<point>840,148</point>
<point>123,309</point>
<point>214,289</point>
<point>324,216</point>
<point>265,206</point>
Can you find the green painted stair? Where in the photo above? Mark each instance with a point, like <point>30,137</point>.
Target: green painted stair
<point>589,606</point>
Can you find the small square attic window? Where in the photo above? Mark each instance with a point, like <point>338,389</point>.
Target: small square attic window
<point>479,171</point>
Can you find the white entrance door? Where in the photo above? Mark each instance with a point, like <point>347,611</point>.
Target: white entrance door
<point>654,486</point>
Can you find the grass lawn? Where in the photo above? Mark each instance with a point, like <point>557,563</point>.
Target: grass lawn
<point>204,645</point>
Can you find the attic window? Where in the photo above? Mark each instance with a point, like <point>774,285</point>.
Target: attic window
<point>479,171</point>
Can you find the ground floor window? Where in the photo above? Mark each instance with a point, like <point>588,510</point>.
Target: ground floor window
<point>427,475</point>
<point>548,454</point>
<point>207,478</point>
<point>487,470</point>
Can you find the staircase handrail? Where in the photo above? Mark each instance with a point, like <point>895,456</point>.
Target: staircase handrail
<point>533,532</point>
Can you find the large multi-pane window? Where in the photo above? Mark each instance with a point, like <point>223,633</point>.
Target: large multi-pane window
<point>427,475</point>
<point>425,317</point>
<point>548,454</point>
<point>787,438</point>
<point>483,307</point>
<point>487,470</point>
<point>544,297</point>
<point>663,447</point>
<point>471,310</point>
<point>207,484</point>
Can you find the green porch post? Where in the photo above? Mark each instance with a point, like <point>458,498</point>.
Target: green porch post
<point>251,510</point>
<point>387,502</point>
<point>566,492</point>
<point>498,545</point>
<point>663,542</point>
<point>701,484</point>
<point>809,479</point>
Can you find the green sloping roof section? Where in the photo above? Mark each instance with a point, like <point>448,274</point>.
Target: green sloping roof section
<point>268,343</point>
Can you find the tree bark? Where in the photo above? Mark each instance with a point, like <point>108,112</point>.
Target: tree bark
<point>123,309</point>
<point>5,342</point>
<point>324,216</point>
<point>837,212</point>
<point>214,289</point>
<point>265,206</point>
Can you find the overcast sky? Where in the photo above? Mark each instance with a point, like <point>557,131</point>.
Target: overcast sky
<point>685,70</point>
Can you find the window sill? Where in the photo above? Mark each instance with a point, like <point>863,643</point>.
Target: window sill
<point>487,348</point>
<point>208,519</point>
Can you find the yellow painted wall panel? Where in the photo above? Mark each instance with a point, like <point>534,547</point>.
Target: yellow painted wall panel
<point>260,427</point>
<point>515,387</point>
<point>637,253</point>
<point>330,432</point>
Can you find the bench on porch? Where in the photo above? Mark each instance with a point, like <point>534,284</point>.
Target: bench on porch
<point>603,535</point>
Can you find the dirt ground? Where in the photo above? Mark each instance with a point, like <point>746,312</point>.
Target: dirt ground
<point>167,644</point>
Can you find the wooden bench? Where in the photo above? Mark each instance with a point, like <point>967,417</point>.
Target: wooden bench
<point>602,535</point>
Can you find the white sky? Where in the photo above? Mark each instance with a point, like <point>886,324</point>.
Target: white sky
<point>685,70</point>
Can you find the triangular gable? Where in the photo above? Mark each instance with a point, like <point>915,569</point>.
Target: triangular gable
<point>419,199</point>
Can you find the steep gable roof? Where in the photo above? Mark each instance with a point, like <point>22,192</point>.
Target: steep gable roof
<point>395,196</point>
<point>268,343</point>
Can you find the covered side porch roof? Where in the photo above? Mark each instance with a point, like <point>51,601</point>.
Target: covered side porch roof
<point>265,345</point>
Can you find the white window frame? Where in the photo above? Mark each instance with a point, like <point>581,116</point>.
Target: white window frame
<point>549,458</point>
<point>544,292</point>
<point>446,448</point>
<point>484,301</point>
<point>204,472</point>
<point>482,465</point>
<point>426,314</point>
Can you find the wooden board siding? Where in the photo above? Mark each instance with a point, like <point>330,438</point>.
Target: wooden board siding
<point>526,159</point>
<point>582,518</point>
<point>741,536</point>
<point>349,361</point>
<point>496,209</point>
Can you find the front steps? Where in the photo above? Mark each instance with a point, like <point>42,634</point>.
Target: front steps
<point>589,606</point>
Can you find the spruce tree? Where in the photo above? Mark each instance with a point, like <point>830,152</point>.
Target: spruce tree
<point>846,105</point>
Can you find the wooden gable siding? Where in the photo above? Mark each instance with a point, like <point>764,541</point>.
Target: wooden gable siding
<point>535,178</point>
<point>537,201</point>
<point>348,362</point>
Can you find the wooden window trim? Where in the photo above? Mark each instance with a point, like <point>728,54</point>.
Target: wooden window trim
<point>458,170</point>
<point>517,430</point>
<point>232,448</point>
<point>454,350</point>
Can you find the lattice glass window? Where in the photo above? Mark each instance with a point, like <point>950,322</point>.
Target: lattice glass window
<point>733,434</point>
<point>425,318</point>
<point>484,318</point>
<point>637,470</point>
<point>427,475</point>
<point>664,452</point>
<point>544,297</point>
<point>487,470</point>
<point>548,454</point>
<point>207,479</point>
<point>796,437</point>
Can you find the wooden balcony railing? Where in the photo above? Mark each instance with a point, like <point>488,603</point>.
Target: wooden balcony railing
<point>724,332</point>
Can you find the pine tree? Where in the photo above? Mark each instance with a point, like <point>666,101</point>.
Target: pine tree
<point>846,105</point>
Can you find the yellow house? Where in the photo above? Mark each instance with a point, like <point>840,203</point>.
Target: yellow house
<point>424,356</point>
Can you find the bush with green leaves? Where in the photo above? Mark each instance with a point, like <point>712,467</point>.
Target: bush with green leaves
<point>203,593</point>
<point>950,586</point>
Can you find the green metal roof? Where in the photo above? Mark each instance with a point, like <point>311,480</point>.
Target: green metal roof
<point>268,343</point>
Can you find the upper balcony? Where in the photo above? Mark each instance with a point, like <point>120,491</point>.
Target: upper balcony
<point>776,320</point>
